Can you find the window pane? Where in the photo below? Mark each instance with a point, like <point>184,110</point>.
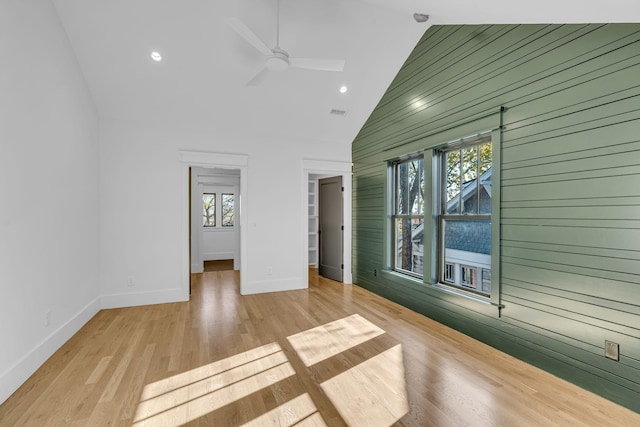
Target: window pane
<point>485,178</point>
<point>469,180</point>
<point>468,245</point>
<point>409,248</point>
<point>209,210</point>
<point>409,187</point>
<point>416,186</point>
<point>227,210</point>
<point>452,195</point>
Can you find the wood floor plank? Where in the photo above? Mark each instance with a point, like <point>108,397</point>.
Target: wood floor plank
<point>332,355</point>
<point>99,370</point>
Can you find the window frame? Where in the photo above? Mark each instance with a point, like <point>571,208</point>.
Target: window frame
<point>218,217</point>
<point>427,147</point>
<point>394,215</point>
<point>440,188</point>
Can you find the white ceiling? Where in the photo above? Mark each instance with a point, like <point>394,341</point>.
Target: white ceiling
<point>202,80</point>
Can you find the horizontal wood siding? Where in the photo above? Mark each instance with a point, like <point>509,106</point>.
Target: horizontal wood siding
<point>570,189</point>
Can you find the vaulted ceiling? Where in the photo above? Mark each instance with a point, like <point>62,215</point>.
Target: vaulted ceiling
<point>201,81</point>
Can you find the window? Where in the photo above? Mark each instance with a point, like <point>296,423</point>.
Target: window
<point>227,210</point>
<point>449,272</point>
<point>407,216</point>
<point>464,217</point>
<point>209,210</point>
<point>441,222</point>
<point>218,210</point>
<point>469,277</point>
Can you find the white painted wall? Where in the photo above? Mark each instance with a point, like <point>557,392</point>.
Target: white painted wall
<point>114,232</point>
<point>218,243</point>
<point>140,167</point>
<point>49,211</point>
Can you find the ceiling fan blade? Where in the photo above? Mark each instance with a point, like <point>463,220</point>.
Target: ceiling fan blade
<point>258,78</point>
<point>317,64</point>
<point>249,36</point>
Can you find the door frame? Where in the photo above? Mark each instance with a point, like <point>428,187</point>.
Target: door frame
<point>211,160</point>
<point>333,168</point>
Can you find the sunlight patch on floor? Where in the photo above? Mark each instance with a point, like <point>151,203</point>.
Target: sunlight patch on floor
<point>299,411</point>
<point>373,393</point>
<point>323,342</point>
<point>185,397</point>
<point>180,380</point>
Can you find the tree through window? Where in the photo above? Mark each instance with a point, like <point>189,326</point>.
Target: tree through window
<point>227,210</point>
<point>209,209</point>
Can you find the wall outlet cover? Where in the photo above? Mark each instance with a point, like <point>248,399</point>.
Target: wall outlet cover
<point>611,350</point>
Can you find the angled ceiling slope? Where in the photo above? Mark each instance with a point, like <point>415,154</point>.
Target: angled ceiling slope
<point>202,78</point>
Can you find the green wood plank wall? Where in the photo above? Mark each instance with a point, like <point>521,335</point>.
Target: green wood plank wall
<point>570,189</point>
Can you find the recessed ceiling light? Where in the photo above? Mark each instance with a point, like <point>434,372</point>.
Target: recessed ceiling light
<point>156,56</point>
<point>343,89</point>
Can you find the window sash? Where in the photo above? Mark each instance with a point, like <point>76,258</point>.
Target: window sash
<point>396,249</point>
<point>443,153</point>
<point>441,269</point>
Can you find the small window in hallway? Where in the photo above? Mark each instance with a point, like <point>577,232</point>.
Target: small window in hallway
<point>209,210</point>
<point>227,209</point>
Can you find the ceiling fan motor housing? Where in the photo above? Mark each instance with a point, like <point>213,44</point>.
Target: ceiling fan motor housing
<point>279,61</point>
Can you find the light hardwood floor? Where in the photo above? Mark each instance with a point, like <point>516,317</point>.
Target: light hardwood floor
<point>331,355</point>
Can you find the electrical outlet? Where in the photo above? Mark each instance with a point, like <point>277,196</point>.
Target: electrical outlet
<point>47,318</point>
<point>611,350</point>
<point>131,282</point>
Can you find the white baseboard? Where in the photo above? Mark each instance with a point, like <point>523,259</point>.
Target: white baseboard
<point>143,298</point>
<point>197,268</point>
<point>275,285</point>
<point>214,256</point>
<point>16,375</point>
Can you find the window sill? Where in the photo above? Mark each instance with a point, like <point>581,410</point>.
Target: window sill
<point>462,293</point>
<point>460,298</point>
<point>217,229</point>
<point>415,279</point>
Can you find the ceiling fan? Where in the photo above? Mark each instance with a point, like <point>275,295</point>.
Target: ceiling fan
<point>277,59</point>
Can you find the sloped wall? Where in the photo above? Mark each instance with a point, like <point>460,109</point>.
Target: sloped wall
<point>570,188</point>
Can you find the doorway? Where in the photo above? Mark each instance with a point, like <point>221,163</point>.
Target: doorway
<point>216,161</point>
<point>215,217</point>
<point>313,170</point>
